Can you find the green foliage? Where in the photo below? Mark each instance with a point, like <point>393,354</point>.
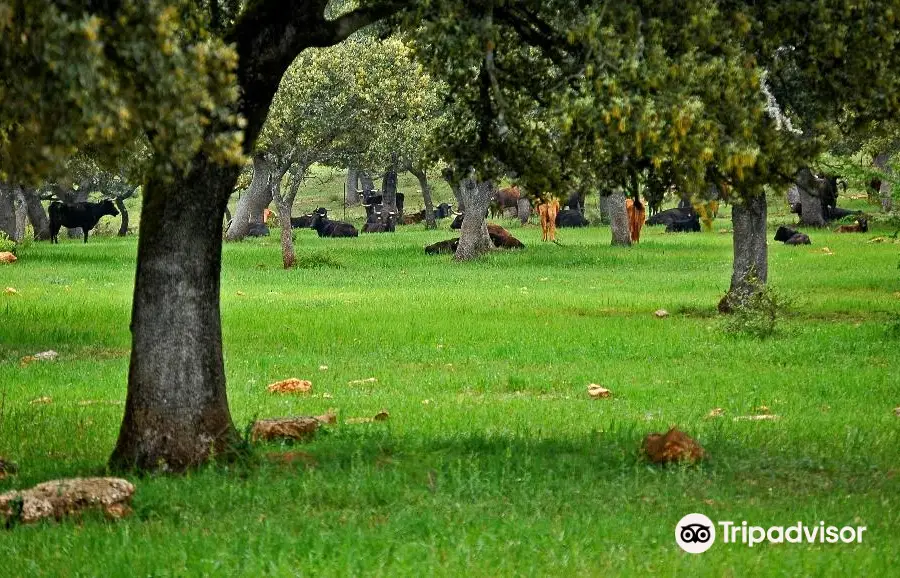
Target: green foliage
<point>758,314</point>
<point>98,75</point>
<point>7,244</point>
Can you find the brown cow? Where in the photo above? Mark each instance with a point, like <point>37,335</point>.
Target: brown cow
<point>636,214</point>
<point>861,226</point>
<point>548,210</point>
<point>505,198</point>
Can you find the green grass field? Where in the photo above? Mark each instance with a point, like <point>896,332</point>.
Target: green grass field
<point>494,460</point>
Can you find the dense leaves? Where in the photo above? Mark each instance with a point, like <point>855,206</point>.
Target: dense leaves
<point>79,74</point>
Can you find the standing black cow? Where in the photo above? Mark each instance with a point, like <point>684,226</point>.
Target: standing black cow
<point>689,224</point>
<point>326,228</point>
<point>74,215</point>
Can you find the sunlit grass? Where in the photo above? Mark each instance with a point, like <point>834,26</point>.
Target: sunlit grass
<point>494,461</point>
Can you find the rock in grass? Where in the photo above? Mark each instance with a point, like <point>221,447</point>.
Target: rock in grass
<point>672,446</point>
<point>60,498</point>
<point>292,428</point>
<point>290,385</point>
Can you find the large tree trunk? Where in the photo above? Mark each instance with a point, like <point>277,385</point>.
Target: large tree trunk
<point>123,211</point>
<point>885,192</point>
<point>254,201</point>
<point>751,265</point>
<point>430,222</point>
<point>812,214</point>
<point>473,238</point>
<point>285,205</point>
<point>618,219</point>
<point>8,210</point>
<point>604,209</point>
<point>457,190</point>
<point>365,182</point>
<point>523,210</point>
<point>352,187</point>
<point>37,216</point>
<point>389,188</point>
<point>176,411</point>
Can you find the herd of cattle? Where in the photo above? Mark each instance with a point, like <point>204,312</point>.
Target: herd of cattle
<point>552,214</point>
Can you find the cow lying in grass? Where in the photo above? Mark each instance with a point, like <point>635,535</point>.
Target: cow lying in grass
<point>74,215</point>
<point>791,237</point>
<point>690,224</point>
<point>861,226</point>
<point>327,228</point>
<point>500,237</point>
<point>571,218</point>
<point>305,221</point>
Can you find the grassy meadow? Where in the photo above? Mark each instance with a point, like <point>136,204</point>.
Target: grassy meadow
<point>494,460</point>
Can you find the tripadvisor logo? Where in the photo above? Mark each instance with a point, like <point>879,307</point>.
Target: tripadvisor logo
<point>695,533</point>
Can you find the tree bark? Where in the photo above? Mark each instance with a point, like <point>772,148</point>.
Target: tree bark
<point>254,201</point>
<point>430,222</point>
<point>885,192</point>
<point>285,204</point>
<point>812,213</point>
<point>604,209</point>
<point>474,239</point>
<point>21,214</point>
<point>751,265</point>
<point>457,190</point>
<point>523,210</point>
<point>618,217</point>
<point>176,411</point>
<point>8,210</point>
<point>123,211</point>
<point>37,216</point>
<point>352,187</point>
<point>365,181</point>
<point>389,187</point>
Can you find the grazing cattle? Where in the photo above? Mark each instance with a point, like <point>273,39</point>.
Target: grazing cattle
<point>571,218</point>
<point>258,230</point>
<point>505,199</point>
<point>791,237</point>
<point>548,210</point>
<point>74,215</point>
<point>835,213</point>
<point>305,221</point>
<point>636,214</point>
<point>861,226</point>
<point>689,224</point>
<point>457,221</point>
<point>327,228</point>
<point>399,200</point>
<point>669,216</point>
